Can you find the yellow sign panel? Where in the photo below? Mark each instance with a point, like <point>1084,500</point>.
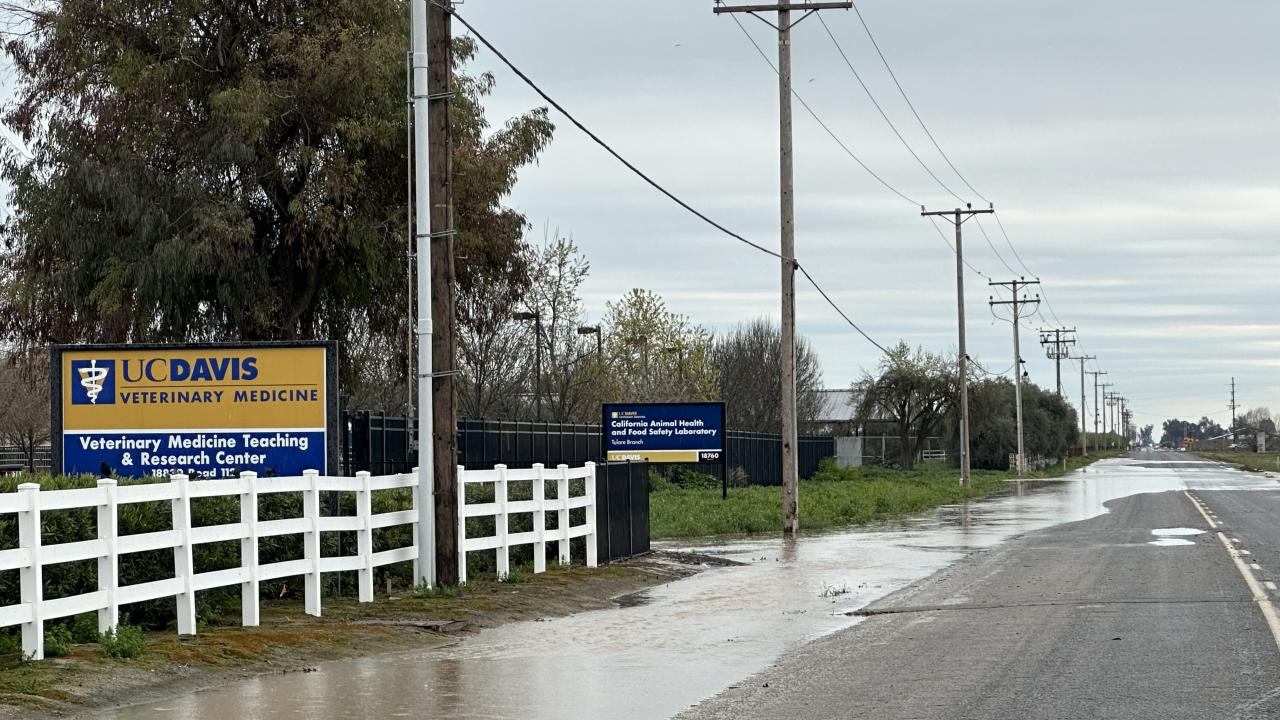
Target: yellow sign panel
<point>663,456</point>
<point>250,387</point>
<point>207,411</point>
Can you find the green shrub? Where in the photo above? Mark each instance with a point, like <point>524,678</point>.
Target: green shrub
<point>84,628</point>
<point>123,642</point>
<point>57,641</point>
<point>10,642</point>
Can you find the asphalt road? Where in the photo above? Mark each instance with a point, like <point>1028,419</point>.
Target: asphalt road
<point>1095,619</point>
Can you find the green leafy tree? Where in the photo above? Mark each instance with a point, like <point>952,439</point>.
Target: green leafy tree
<point>1049,425</point>
<point>655,355</point>
<point>232,170</point>
<point>914,390</point>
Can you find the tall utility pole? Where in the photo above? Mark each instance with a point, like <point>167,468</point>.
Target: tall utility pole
<point>1056,342</point>
<point>1084,430</point>
<point>1096,407</point>
<point>424,570</point>
<point>790,435</point>
<point>1231,425</point>
<point>1018,302</point>
<point>1106,410</point>
<point>957,218</point>
<point>444,422</point>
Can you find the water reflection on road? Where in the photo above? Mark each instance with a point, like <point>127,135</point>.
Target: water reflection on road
<point>687,640</point>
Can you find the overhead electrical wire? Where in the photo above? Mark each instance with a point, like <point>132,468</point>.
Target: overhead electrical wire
<point>946,158</point>
<point>883,114</point>
<point>919,119</point>
<point>607,148</point>
<point>674,198</point>
<point>819,120</point>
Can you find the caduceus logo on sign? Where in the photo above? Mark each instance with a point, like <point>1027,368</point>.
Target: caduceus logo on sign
<point>91,379</point>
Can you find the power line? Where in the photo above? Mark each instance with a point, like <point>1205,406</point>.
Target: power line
<point>883,114</point>
<point>999,257</point>
<point>919,119</point>
<point>835,307</point>
<point>528,81</point>
<point>820,122</point>
<point>596,138</point>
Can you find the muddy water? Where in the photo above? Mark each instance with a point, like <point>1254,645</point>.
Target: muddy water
<point>676,644</point>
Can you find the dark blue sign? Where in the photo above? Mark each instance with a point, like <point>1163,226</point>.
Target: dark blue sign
<point>211,454</point>
<point>664,432</point>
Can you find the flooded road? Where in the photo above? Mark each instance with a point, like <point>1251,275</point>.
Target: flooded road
<point>674,645</point>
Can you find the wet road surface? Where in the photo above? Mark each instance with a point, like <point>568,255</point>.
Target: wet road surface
<point>676,645</point>
<point>1139,613</point>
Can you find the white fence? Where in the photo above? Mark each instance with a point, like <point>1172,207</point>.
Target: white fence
<point>501,510</point>
<point>30,558</point>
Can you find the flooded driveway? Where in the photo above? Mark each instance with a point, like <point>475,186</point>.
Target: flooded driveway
<point>674,645</point>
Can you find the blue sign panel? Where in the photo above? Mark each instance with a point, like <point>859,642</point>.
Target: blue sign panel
<point>201,454</point>
<point>664,432</point>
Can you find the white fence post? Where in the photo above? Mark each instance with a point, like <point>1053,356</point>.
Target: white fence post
<point>109,561</point>
<point>32,577</point>
<point>183,563</point>
<point>462,525</point>
<point>562,517</point>
<point>364,538</point>
<point>500,522</point>
<point>539,519</point>
<point>590,510</point>
<point>311,541</point>
<point>250,598</point>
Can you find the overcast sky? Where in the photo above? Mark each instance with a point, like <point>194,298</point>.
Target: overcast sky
<point>1131,149</point>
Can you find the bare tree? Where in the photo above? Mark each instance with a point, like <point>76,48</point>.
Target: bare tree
<point>494,348</point>
<point>748,362</point>
<point>24,403</point>
<point>570,367</point>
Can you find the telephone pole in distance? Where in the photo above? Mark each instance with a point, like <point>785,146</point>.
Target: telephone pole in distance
<point>958,217</point>
<point>1018,302</point>
<point>1096,408</point>
<point>1084,429</point>
<point>1056,348</point>
<point>787,349</point>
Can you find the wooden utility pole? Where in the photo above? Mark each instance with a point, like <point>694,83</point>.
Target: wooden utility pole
<point>444,348</point>
<point>1018,302</point>
<point>957,218</point>
<point>790,435</point>
<point>1106,410</point>
<point>1084,429</point>
<point>1056,348</point>
<point>1231,425</point>
<point>1096,408</point>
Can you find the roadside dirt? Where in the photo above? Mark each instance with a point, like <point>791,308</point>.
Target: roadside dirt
<point>290,641</point>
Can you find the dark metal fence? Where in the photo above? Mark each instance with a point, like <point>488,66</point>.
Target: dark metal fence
<point>622,510</point>
<point>384,444</point>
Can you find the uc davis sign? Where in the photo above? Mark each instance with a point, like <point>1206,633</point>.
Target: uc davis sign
<point>664,432</point>
<point>199,410</point>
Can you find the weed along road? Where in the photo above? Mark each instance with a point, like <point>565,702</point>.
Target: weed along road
<point>1161,608</point>
<point>1105,594</point>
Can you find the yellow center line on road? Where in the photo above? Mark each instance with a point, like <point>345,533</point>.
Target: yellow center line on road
<point>1259,594</point>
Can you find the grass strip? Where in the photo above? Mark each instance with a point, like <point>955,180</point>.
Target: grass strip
<point>1257,462</point>
<point>833,497</point>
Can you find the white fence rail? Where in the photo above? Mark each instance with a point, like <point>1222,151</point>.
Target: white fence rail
<point>30,558</point>
<point>501,509</point>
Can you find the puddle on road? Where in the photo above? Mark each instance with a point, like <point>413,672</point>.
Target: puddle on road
<point>676,644</point>
<point>1174,536</point>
